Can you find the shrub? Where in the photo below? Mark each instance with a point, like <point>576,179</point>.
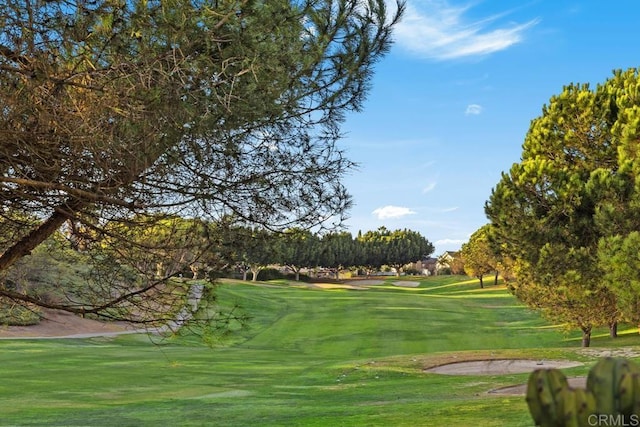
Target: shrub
<point>12,314</point>
<point>270,274</point>
<point>302,278</point>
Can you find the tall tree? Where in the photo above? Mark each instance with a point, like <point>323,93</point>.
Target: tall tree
<point>542,211</point>
<point>258,249</point>
<point>299,249</point>
<point>618,257</point>
<point>374,248</point>
<point>338,251</point>
<point>117,109</point>
<point>477,256</point>
<point>617,190</point>
<point>393,248</point>
<point>407,246</point>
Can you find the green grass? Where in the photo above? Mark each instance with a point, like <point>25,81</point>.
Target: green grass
<point>310,357</point>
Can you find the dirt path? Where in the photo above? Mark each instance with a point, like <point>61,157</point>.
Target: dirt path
<point>60,324</point>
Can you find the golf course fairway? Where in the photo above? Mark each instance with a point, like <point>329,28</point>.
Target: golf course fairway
<point>311,355</point>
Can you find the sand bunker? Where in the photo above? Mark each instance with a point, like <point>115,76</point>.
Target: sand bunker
<point>499,366</point>
<point>365,282</point>
<point>335,286</point>
<point>507,366</point>
<point>374,282</point>
<point>406,284</point>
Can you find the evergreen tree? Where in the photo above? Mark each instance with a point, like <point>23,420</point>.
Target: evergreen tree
<point>115,110</point>
<point>543,211</point>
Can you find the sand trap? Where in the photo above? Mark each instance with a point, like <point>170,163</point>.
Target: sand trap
<point>406,284</point>
<point>508,366</point>
<point>499,367</point>
<point>364,282</point>
<point>374,282</point>
<point>335,286</point>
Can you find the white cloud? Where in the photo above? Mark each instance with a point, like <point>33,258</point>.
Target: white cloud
<point>392,212</point>
<point>429,187</point>
<point>473,110</point>
<point>434,29</point>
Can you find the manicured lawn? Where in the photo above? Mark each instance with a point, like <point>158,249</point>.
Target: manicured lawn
<point>310,357</point>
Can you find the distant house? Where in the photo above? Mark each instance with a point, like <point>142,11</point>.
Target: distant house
<point>429,266</point>
<point>426,266</point>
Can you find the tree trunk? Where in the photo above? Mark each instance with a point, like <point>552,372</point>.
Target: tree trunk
<point>28,243</point>
<point>296,272</point>
<point>586,336</point>
<point>613,330</point>
<point>495,279</point>
<point>244,275</point>
<point>481,282</point>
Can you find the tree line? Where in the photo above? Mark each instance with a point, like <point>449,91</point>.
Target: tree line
<point>57,270</point>
<point>299,249</point>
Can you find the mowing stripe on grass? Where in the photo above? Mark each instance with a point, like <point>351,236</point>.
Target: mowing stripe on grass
<point>309,357</point>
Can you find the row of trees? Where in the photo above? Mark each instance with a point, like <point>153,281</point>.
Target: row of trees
<point>173,248</point>
<point>565,220</point>
<point>300,249</point>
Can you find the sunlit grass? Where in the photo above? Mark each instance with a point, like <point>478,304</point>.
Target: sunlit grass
<point>310,357</point>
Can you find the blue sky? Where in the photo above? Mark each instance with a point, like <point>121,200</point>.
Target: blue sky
<point>451,104</point>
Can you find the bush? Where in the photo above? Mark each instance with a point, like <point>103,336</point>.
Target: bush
<point>270,274</point>
<point>12,314</point>
<point>303,277</point>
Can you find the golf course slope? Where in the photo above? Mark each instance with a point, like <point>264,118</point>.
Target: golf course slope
<point>310,355</point>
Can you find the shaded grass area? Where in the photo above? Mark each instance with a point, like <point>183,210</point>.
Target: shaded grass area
<point>310,357</point>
